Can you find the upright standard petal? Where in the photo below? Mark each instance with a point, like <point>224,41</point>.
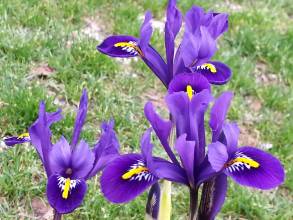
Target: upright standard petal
<point>217,155</point>
<point>189,49</point>
<point>53,117</point>
<point>107,148</point>
<point>198,106</point>
<point>218,114</point>
<point>208,46</point>
<point>60,157</point>
<point>82,160</point>
<point>218,25</point>
<point>253,167</point>
<point>197,47</point>
<point>194,18</point>
<point>174,17</point>
<point>216,72</point>
<point>40,134</point>
<point>172,27</point>
<point>147,147</point>
<point>146,31</point>
<point>161,127</point>
<point>80,118</point>
<point>186,150</point>
<point>230,136</point>
<point>178,104</point>
<point>125,178</point>
<point>65,195</point>
<point>120,46</point>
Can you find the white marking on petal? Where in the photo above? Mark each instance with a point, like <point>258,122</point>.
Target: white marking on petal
<point>62,180</point>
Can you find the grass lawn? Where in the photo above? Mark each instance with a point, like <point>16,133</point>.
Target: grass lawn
<point>47,52</point>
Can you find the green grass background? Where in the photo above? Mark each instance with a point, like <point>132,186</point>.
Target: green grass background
<point>258,47</point>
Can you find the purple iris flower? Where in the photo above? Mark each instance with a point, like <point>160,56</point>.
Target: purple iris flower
<point>68,166</point>
<point>129,175</point>
<point>246,165</point>
<point>199,45</point>
<point>188,116</point>
<point>193,54</point>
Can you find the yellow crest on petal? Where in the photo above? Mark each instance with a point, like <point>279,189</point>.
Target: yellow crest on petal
<point>130,47</point>
<point>24,135</point>
<point>189,91</point>
<point>208,66</point>
<point>133,172</point>
<point>66,189</point>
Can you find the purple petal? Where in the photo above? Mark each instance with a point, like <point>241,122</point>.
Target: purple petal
<point>188,115</point>
<point>178,104</point>
<point>82,160</point>
<point>153,203</point>
<point>146,31</point>
<point>190,48</point>
<point>147,147</point>
<point>40,134</point>
<point>60,156</point>
<point>208,45</point>
<point>218,113</point>
<point>214,195</point>
<point>219,194</point>
<point>198,107</point>
<point>169,45</point>
<point>259,169</point>
<point>216,72</point>
<point>161,127</point>
<point>179,66</point>
<point>182,80</point>
<point>174,17</point>
<point>193,18</point>
<point>106,149</point>
<point>231,133</point>
<point>120,46</point>
<point>217,155</point>
<point>172,27</point>
<point>157,64</point>
<point>75,196</point>
<point>119,190</point>
<point>186,152</point>
<point>53,117</point>
<point>169,171</point>
<point>205,172</point>
<point>11,141</point>
<point>218,25</point>
<point>80,118</point>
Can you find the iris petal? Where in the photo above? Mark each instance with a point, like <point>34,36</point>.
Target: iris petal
<point>120,46</point>
<point>216,72</point>
<point>119,190</point>
<point>259,169</point>
<point>55,189</point>
<point>182,80</point>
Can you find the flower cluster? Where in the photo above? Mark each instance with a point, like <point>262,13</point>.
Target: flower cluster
<point>188,73</point>
<point>188,76</point>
